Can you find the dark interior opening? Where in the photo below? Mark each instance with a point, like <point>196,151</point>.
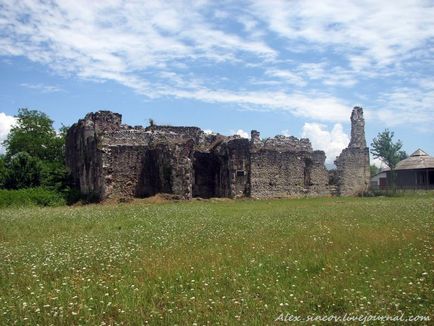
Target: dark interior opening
<point>431,177</point>
<point>421,178</point>
<point>156,175</point>
<point>206,168</point>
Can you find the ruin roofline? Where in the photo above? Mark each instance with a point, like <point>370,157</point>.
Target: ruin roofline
<point>107,116</point>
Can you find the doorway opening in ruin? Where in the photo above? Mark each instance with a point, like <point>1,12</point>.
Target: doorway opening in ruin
<point>156,175</point>
<point>206,167</point>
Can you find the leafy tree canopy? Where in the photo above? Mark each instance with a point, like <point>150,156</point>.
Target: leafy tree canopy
<point>388,151</point>
<point>24,171</point>
<point>374,170</point>
<point>35,135</point>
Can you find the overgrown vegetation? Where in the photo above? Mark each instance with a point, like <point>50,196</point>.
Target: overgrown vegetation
<point>34,158</point>
<point>389,152</point>
<point>31,197</point>
<point>216,262</point>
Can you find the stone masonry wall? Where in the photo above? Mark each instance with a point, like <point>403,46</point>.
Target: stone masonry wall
<point>276,174</point>
<point>84,153</point>
<point>234,156</point>
<point>352,165</point>
<point>319,175</point>
<point>108,159</point>
<point>286,166</point>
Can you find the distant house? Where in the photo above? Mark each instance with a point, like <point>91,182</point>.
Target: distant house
<point>379,181</point>
<point>414,172</point>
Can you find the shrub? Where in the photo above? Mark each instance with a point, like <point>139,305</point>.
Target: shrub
<point>23,171</point>
<point>30,197</point>
<point>54,176</point>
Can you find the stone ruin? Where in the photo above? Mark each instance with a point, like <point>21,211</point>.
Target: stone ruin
<point>108,159</point>
<point>352,165</point>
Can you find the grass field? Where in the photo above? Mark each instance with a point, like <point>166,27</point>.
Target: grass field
<point>216,262</point>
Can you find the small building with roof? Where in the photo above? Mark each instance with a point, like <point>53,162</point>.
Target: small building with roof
<point>414,172</point>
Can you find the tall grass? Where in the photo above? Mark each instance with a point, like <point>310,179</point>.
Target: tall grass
<point>226,262</point>
<point>30,197</point>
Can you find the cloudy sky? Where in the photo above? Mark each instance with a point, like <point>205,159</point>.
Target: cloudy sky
<point>281,67</point>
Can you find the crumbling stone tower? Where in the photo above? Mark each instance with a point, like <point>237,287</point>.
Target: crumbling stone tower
<point>352,165</point>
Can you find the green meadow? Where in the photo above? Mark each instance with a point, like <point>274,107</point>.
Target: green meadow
<point>216,262</point>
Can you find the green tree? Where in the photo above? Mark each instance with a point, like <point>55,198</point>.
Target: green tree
<point>34,134</point>
<point>388,151</point>
<point>54,175</point>
<point>23,171</point>
<point>374,170</point>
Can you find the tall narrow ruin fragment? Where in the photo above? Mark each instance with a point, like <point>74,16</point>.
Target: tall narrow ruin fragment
<point>352,165</point>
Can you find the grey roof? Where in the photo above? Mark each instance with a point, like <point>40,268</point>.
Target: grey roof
<point>418,160</point>
<point>419,152</point>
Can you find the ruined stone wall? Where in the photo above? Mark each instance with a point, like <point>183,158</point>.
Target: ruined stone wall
<point>352,165</point>
<point>133,170</point>
<point>125,179</point>
<point>84,152</point>
<point>285,166</point>
<point>110,160</point>
<point>276,174</point>
<point>319,175</point>
<point>182,168</point>
<point>234,156</point>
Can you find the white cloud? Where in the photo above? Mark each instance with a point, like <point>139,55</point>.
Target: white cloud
<point>6,123</point>
<point>286,76</point>
<point>315,106</point>
<point>208,132</point>
<point>404,105</point>
<point>42,87</point>
<point>377,162</point>
<point>139,45</point>
<point>382,32</point>
<point>242,133</point>
<point>286,133</point>
<point>332,142</point>
<point>175,49</point>
<point>117,37</point>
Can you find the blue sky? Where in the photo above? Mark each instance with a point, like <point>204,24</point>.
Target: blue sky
<point>281,67</point>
